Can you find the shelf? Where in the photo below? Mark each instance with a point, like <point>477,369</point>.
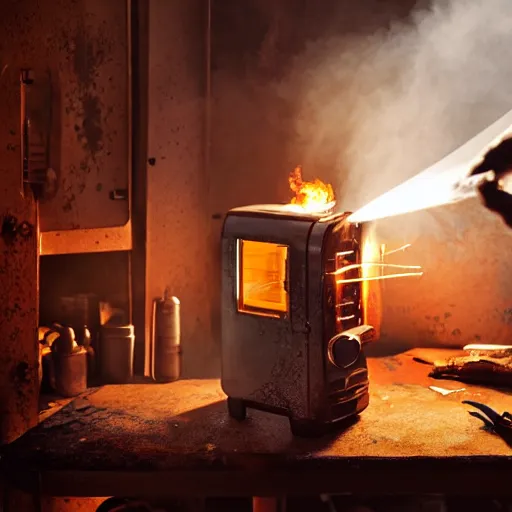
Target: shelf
<point>118,238</point>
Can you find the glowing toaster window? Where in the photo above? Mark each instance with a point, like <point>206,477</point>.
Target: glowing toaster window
<point>262,278</point>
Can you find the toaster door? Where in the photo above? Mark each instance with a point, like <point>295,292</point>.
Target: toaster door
<point>264,323</point>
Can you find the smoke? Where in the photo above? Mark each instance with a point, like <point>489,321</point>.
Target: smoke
<point>379,109</point>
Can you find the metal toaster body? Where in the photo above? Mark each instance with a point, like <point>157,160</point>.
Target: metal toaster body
<point>288,362</point>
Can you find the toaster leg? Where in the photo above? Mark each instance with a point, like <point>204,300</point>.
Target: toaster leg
<point>237,409</point>
<point>306,428</point>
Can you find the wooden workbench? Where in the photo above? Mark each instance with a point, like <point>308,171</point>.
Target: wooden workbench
<point>177,439</point>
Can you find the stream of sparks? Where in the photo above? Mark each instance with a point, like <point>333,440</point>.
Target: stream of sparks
<point>415,272</point>
<point>403,248</point>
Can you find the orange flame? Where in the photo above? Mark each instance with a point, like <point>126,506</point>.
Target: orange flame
<point>312,196</point>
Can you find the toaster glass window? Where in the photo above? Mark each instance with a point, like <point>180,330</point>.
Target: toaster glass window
<point>262,276</point>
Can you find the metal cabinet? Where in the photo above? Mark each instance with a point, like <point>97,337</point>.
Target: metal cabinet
<point>83,50</point>
<point>19,284</point>
<point>65,107</point>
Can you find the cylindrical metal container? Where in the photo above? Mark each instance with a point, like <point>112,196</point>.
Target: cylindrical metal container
<point>70,372</point>
<point>166,360</point>
<point>79,310</point>
<point>116,353</point>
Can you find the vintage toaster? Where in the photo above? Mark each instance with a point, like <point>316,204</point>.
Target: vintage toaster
<point>293,327</point>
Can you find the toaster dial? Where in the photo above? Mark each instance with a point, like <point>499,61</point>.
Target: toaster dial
<point>343,350</point>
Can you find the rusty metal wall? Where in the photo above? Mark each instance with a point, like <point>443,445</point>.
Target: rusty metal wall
<point>19,264</point>
<point>465,292</point>
<point>84,43</point>
<point>178,254</point>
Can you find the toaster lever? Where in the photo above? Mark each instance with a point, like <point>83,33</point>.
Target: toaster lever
<point>364,333</point>
<point>344,349</point>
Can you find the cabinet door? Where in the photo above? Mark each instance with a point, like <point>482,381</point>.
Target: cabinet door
<point>84,45</point>
<point>19,383</point>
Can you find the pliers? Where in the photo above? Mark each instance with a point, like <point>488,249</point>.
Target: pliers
<point>501,424</point>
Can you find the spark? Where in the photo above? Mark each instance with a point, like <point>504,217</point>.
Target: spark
<point>342,270</point>
<point>343,318</point>
<point>403,248</point>
<point>379,278</point>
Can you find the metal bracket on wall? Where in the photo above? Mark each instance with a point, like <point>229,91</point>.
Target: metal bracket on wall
<point>36,123</point>
<point>119,194</point>
<point>11,229</point>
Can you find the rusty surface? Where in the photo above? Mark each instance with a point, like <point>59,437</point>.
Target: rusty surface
<point>84,44</point>
<point>465,293</point>
<point>50,404</point>
<point>184,425</point>
<point>18,276</point>
<point>178,227</point>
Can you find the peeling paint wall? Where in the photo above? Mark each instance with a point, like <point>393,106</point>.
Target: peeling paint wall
<point>178,254</point>
<point>84,44</point>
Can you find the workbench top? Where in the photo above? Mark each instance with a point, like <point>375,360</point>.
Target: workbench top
<point>124,436</point>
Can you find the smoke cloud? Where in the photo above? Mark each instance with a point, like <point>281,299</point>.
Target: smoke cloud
<point>381,108</point>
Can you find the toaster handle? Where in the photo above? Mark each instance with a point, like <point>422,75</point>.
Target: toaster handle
<point>363,333</point>
<point>344,349</point>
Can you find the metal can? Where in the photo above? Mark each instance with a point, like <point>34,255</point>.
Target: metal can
<point>166,336</point>
<point>116,353</point>
<point>70,372</point>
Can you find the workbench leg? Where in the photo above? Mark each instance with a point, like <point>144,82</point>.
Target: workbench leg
<point>17,501</point>
<point>268,504</point>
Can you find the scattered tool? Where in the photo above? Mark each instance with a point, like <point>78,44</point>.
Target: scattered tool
<point>501,424</point>
<point>497,351</point>
<point>445,392</point>
<point>486,365</point>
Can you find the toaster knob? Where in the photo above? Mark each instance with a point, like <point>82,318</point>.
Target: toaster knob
<point>343,350</point>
